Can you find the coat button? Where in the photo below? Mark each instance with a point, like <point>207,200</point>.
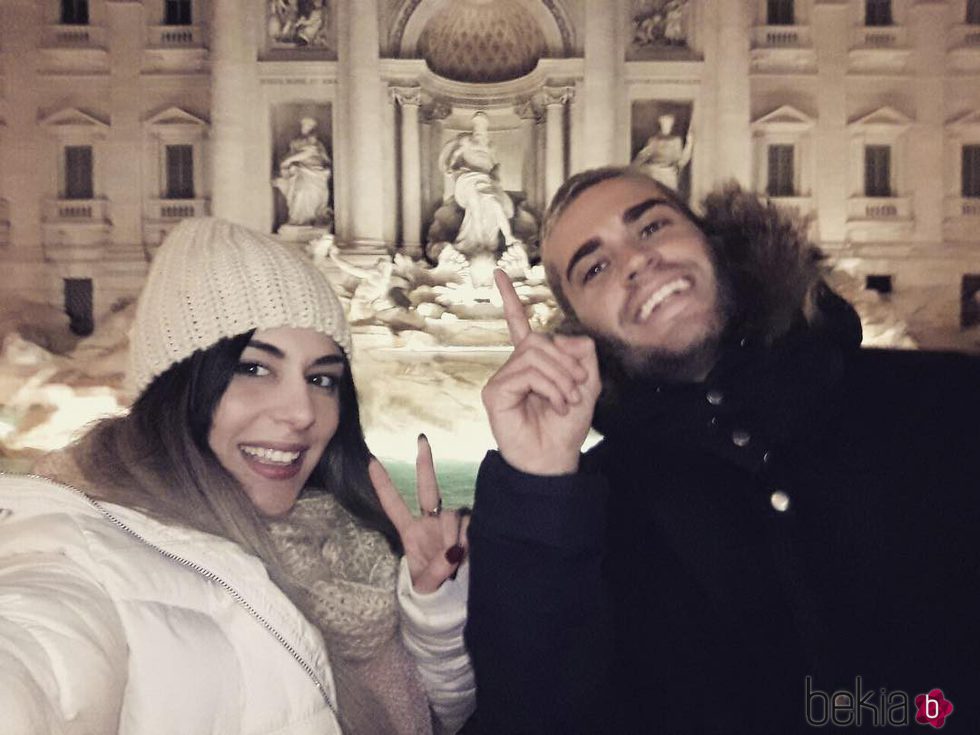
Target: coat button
<point>715,397</point>
<point>5,513</point>
<point>741,438</point>
<point>779,501</point>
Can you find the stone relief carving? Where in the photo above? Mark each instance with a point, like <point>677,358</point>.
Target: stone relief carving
<point>304,178</point>
<point>404,293</point>
<point>660,23</point>
<point>299,23</point>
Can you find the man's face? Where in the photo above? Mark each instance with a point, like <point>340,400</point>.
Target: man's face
<point>640,277</point>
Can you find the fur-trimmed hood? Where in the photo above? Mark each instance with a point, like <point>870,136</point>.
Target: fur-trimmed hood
<point>775,272</point>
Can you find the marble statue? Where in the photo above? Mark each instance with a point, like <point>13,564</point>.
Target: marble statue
<point>665,154</point>
<point>298,22</point>
<point>469,162</point>
<point>304,178</point>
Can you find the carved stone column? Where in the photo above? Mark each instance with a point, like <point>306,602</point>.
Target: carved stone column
<point>410,99</point>
<point>734,157</point>
<point>361,73</point>
<point>554,99</point>
<point>530,116</point>
<point>230,99</point>
<point>602,84</point>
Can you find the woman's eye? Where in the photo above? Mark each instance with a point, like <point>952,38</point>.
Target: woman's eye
<point>653,227</point>
<point>251,368</point>
<point>593,270</point>
<point>327,382</point>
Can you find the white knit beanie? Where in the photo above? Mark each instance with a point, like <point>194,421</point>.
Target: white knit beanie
<point>212,279</point>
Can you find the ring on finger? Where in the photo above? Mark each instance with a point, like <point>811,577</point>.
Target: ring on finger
<point>456,553</point>
<point>435,512</point>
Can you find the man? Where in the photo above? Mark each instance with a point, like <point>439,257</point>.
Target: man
<point>776,524</point>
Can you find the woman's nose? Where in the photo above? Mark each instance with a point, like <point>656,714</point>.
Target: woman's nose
<point>294,404</point>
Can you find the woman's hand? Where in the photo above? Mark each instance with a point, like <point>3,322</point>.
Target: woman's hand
<point>435,542</point>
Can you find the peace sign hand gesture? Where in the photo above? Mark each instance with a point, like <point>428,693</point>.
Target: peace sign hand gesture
<point>435,542</point>
<point>540,402</point>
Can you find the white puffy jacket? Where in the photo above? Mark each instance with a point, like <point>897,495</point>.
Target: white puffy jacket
<point>113,622</point>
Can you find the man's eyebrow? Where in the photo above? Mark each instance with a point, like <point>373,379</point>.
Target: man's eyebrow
<point>632,214</point>
<point>586,248</point>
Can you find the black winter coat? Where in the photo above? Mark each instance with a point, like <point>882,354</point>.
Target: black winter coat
<point>735,553</point>
<point>791,544</point>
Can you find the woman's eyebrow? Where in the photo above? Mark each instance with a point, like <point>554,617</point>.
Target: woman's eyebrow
<point>266,347</point>
<point>278,353</point>
<point>328,360</point>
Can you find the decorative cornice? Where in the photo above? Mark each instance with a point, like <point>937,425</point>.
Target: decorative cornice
<point>557,95</point>
<point>406,95</point>
<point>438,109</point>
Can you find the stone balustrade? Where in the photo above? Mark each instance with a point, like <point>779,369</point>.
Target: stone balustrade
<point>781,37</point>
<point>175,37</point>
<point>80,211</point>
<point>879,208</point>
<point>75,36</point>
<point>880,37</point>
<point>174,209</point>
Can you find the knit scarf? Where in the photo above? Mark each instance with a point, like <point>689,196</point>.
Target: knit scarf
<point>346,576</point>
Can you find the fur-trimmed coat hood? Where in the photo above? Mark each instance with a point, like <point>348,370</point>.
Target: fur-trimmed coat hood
<point>775,271</point>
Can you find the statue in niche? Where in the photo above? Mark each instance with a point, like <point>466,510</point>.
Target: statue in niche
<point>477,214</point>
<point>304,178</point>
<point>298,22</point>
<point>660,23</point>
<point>665,154</point>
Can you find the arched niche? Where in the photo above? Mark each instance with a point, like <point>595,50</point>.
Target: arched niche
<point>414,15</point>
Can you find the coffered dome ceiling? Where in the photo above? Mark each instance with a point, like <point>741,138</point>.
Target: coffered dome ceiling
<point>482,41</point>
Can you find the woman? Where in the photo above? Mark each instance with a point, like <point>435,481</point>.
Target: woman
<point>222,559</point>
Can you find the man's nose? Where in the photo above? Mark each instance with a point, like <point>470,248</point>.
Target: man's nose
<point>638,259</point>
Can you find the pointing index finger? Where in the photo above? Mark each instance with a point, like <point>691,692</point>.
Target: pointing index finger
<point>517,324</point>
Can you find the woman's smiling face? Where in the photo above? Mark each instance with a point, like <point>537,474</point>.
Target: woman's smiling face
<point>278,414</point>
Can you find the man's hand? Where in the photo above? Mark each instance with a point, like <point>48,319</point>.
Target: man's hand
<point>540,402</point>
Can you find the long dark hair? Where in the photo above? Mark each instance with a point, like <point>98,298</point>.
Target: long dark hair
<point>157,457</point>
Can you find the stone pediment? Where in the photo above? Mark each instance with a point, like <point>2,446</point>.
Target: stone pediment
<point>884,119</point>
<point>785,118</point>
<point>968,123</point>
<point>72,122</point>
<point>174,121</point>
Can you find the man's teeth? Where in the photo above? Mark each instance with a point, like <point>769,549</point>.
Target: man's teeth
<point>273,456</point>
<point>661,294</point>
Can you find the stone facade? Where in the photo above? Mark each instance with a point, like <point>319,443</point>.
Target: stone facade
<point>117,119</point>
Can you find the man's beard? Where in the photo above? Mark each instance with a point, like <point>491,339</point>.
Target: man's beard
<point>619,359</point>
<point>691,364</point>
